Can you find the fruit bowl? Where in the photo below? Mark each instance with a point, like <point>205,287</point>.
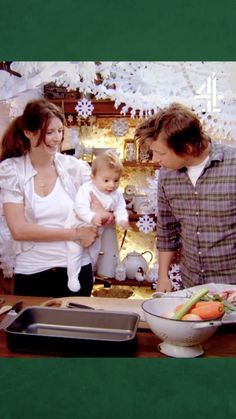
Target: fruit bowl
<point>180,339</point>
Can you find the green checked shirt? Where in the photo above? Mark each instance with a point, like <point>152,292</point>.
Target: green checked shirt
<point>201,219</point>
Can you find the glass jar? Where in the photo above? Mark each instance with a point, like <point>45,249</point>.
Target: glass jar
<point>130,151</point>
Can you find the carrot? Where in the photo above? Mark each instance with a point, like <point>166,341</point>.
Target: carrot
<point>198,304</point>
<point>202,303</point>
<point>189,304</point>
<point>211,310</point>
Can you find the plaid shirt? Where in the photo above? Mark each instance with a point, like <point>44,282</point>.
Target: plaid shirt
<point>201,218</point>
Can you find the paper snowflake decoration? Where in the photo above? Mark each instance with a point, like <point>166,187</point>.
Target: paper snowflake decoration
<point>143,85</point>
<point>146,224</point>
<point>120,127</point>
<point>84,107</point>
<point>78,119</point>
<point>81,75</point>
<point>175,277</point>
<point>16,109</point>
<point>70,119</point>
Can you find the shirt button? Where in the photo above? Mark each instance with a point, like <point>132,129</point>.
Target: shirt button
<point>197,213</point>
<point>195,192</point>
<point>199,252</point>
<point>202,270</point>
<point>198,232</point>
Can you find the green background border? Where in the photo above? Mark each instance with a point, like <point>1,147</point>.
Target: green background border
<point>119,388</point>
<point>111,30</point>
<point>123,30</point>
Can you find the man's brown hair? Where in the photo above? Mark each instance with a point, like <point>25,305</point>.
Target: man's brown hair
<point>179,126</point>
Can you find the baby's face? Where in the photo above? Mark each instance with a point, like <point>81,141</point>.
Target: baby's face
<point>107,180</point>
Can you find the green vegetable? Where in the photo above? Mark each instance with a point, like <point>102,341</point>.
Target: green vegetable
<point>228,306</point>
<point>216,297</point>
<point>189,304</point>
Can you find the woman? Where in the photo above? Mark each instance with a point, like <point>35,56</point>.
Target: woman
<point>38,186</point>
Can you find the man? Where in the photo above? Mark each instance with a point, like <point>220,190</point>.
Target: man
<point>196,198</point>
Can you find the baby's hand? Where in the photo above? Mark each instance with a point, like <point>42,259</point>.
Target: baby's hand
<point>97,220</point>
<point>109,219</point>
<point>124,224</point>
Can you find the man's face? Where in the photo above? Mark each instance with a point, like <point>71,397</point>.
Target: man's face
<point>165,156</point>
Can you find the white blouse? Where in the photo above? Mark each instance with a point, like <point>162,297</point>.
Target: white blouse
<point>16,185</point>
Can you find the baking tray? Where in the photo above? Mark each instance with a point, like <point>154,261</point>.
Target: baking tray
<point>73,332</point>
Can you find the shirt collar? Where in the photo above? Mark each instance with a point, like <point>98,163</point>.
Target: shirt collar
<point>30,171</point>
<point>216,154</point>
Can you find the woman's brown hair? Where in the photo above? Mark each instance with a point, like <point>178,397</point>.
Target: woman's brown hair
<point>36,116</point>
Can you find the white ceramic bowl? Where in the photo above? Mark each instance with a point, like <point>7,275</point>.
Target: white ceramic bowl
<point>180,339</point>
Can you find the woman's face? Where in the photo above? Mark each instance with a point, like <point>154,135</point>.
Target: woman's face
<point>53,136</point>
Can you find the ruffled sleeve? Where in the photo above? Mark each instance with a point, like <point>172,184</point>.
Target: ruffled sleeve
<point>81,171</point>
<point>78,170</point>
<point>10,183</point>
<point>85,170</point>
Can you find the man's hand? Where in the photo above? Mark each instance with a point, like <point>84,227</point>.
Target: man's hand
<point>164,285</point>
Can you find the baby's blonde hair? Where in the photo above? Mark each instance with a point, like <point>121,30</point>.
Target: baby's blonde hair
<point>107,159</point>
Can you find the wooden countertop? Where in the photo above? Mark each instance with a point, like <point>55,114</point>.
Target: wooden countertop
<point>221,344</point>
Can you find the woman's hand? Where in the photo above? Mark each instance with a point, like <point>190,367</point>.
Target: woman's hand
<point>85,236</point>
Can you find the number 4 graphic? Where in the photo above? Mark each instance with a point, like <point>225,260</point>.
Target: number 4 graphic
<point>211,95</point>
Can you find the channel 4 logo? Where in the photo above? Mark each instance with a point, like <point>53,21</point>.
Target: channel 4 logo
<point>208,91</point>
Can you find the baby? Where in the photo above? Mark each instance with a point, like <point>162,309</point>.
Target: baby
<point>104,185</point>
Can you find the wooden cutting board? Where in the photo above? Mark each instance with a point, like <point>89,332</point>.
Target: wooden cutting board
<point>111,304</point>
